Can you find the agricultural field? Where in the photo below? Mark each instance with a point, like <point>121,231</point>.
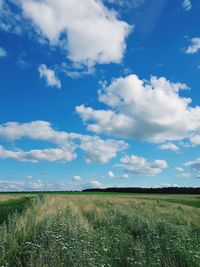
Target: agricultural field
<point>99,230</point>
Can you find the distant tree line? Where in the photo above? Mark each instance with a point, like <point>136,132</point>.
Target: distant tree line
<point>162,190</point>
<point>159,190</point>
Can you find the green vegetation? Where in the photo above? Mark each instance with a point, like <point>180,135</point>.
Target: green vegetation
<point>190,200</point>
<point>86,230</point>
<point>8,207</point>
<point>193,202</point>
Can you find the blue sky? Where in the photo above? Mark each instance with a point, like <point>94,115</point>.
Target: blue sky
<point>99,93</point>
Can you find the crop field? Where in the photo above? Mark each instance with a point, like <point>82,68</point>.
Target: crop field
<point>99,230</point>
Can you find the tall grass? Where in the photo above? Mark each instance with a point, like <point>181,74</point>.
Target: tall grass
<point>10,205</point>
<point>86,231</point>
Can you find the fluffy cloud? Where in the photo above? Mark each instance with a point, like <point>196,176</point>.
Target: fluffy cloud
<point>37,155</point>
<point>77,178</point>
<point>36,130</point>
<point>3,52</point>
<point>95,149</point>
<point>141,166</point>
<point>49,75</point>
<point>194,47</point>
<point>169,146</point>
<point>195,139</point>
<point>147,110</point>
<point>111,174</point>
<point>82,28</point>
<point>98,150</point>
<point>96,184</point>
<point>187,5</point>
<point>120,176</point>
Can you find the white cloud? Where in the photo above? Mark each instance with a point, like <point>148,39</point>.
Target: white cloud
<point>37,155</point>
<point>95,149</point>
<point>195,165</point>
<point>169,146</point>
<point>120,176</point>
<point>195,139</point>
<point>10,18</point>
<point>184,175</point>
<point>3,52</point>
<point>139,109</point>
<point>51,154</point>
<point>111,174</point>
<point>36,130</point>
<point>38,185</point>
<point>98,150</point>
<point>96,184</point>
<point>76,71</point>
<point>77,178</point>
<point>6,154</point>
<point>187,5</point>
<point>141,166</point>
<point>179,169</point>
<point>194,47</point>
<point>11,186</point>
<point>49,75</point>
<point>87,30</point>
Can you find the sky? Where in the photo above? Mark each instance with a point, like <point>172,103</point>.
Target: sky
<point>99,93</point>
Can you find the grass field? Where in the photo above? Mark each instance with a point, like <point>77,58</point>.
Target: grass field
<point>96,230</point>
<point>10,204</point>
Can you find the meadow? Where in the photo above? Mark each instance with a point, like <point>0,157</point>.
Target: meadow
<point>99,230</point>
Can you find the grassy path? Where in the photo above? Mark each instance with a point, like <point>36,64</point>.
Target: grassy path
<point>8,207</point>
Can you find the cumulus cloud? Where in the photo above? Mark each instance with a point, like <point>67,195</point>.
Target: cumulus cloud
<point>195,139</point>
<point>141,166</point>
<point>49,75</point>
<point>36,130</point>
<point>3,52</point>
<point>187,5</point>
<point>37,155</point>
<point>77,178</point>
<point>98,150</point>
<point>194,47</point>
<point>95,149</point>
<point>96,184</point>
<point>120,176</point>
<point>138,109</point>
<point>169,146</point>
<point>82,28</point>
